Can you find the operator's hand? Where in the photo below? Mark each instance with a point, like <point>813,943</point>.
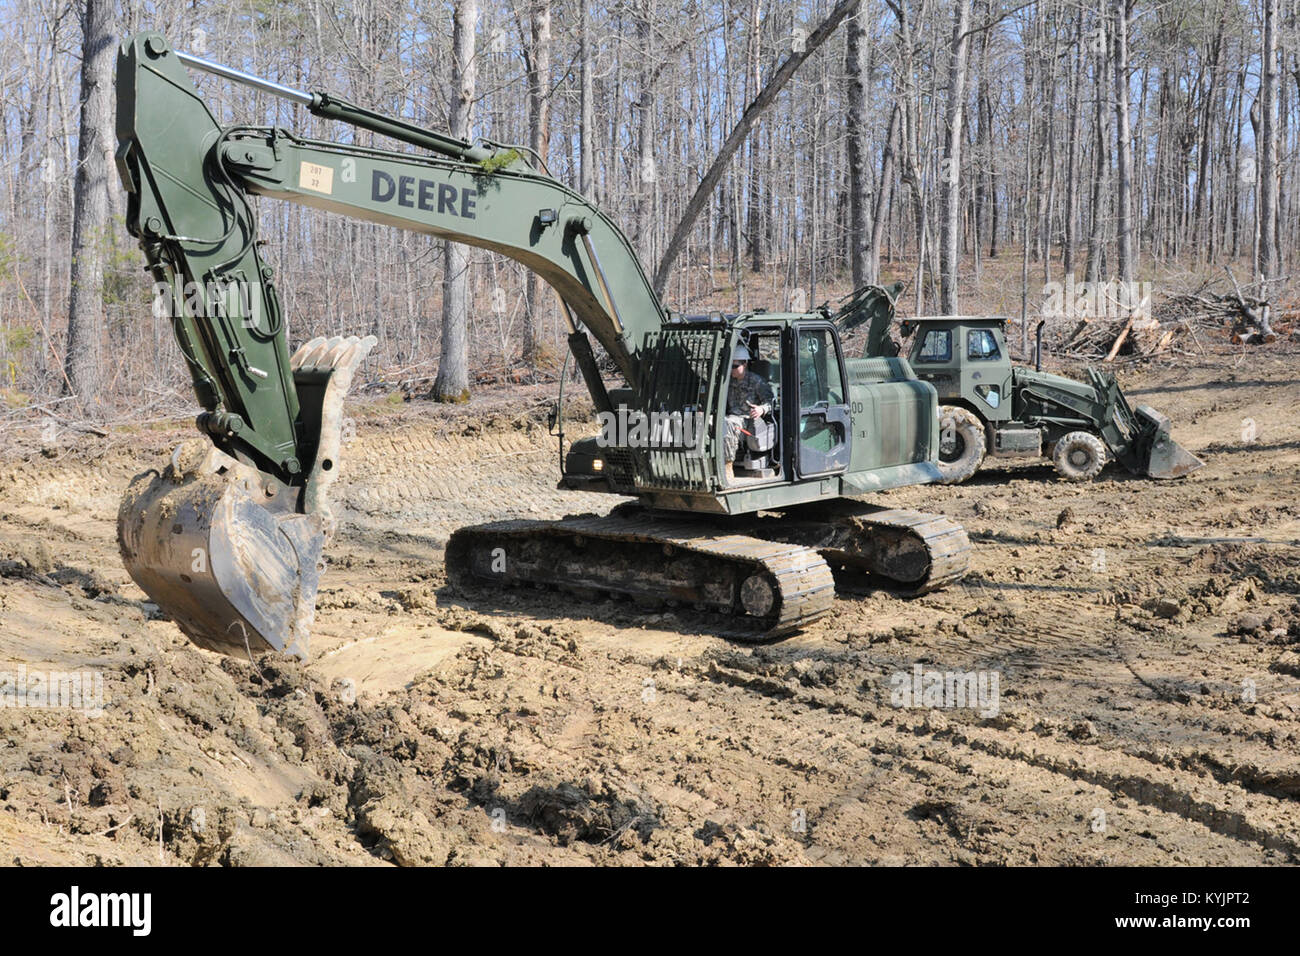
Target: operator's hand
<point>756,411</point>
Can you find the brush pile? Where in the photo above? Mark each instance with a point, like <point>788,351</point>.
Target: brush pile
<point>1111,321</point>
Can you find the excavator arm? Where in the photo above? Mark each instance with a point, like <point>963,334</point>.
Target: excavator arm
<point>189,180</point>
<point>228,539</point>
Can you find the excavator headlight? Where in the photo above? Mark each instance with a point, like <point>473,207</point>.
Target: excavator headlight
<point>597,464</point>
<point>547,217</point>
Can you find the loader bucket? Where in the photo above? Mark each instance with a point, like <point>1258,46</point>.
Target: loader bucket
<point>232,555</point>
<point>1165,458</point>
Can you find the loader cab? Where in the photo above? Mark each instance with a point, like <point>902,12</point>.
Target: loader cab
<point>966,361</point>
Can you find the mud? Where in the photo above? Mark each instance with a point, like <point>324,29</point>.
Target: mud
<point>1144,636</point>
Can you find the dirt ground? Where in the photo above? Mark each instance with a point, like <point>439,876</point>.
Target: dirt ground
<point>1145,638</point>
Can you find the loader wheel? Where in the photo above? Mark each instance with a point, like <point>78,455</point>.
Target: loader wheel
<point>1079,456</point>
<point>961,444</point>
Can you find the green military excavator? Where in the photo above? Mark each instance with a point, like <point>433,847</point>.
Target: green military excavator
<point>228,538</point>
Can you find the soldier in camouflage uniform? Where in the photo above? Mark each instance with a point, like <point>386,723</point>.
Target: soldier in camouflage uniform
<point>748,398</point>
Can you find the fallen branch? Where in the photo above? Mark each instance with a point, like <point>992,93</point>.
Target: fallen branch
<point>1119,339</point>
<point>1256,315</point>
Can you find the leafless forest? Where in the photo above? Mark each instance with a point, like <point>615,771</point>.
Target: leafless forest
<point>758,153</point>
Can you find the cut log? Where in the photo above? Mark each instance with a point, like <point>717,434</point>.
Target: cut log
<point>1119,339</point>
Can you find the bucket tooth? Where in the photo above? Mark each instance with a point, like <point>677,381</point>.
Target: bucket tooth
<point>338,359</point>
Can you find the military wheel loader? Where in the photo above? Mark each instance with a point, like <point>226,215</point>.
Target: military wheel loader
<point>991,408</point>
<point>228,538</point>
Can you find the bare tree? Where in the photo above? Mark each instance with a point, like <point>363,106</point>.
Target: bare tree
<point>645,174</point>
<point>871,270</point>
<point>1123,144</point>
<point>452,383</point>
<point>586,109</point>
<point>539,137</point>
<point>1200,216</point>
<point>84,361</point>
<point>1267,262</point>
<point>1100,48</point>
<point>950,171</point>
<point>737,136</point>
<point>857,116</point>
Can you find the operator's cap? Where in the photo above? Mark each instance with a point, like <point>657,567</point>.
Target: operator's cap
<point>741,354</point>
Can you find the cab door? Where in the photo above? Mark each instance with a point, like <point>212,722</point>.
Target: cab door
<point>821,415</point>
<point>986,373</point>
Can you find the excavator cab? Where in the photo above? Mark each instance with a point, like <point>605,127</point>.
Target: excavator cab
<point>814,372</point>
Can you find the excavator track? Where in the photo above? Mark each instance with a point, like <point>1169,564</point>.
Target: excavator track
<point>913,551</point>
<point>767,588</point>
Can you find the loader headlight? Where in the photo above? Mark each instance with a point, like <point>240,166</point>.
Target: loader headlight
<point>597,464</point>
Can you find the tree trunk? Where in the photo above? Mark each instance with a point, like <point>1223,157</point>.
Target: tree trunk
<point>753,207</point>
<point>1200,216</point>
<point>1072,155</point>
<point>983,143</point>
<point>586,121</point>
<point>950,170</point>
<point>452,383</point>
<point>646,173</point>
<point>856,70</point>
<point>84,363</point>
<point>1235,205</point>
<point>1267,262</point>
<point>1124,158</point>
<point>539,135</point>
<point>1101,152</point>
<point>884,195</point>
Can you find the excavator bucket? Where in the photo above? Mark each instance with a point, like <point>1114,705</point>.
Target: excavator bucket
<point>229,553</point>
<point>1165,458</point>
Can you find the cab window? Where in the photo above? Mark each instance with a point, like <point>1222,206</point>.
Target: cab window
<point>823,405</point>
<point>765,358</point>
<point>982,344</point>
<point>819,368</point>
<point>936,347</point>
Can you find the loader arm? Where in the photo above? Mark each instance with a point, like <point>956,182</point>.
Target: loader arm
<point>189,180</point>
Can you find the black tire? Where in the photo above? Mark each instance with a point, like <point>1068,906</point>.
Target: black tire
<point>961,444</point>
<point>1079,456</point>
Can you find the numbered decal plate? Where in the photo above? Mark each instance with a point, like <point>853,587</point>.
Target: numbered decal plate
<point>316,178</point>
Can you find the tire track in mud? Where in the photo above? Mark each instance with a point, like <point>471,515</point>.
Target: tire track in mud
<point>445,476</point>
<point>1245,774</point>
<point>1229,810</point>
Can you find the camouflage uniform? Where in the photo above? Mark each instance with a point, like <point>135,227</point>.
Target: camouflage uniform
<point>750,389</point>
